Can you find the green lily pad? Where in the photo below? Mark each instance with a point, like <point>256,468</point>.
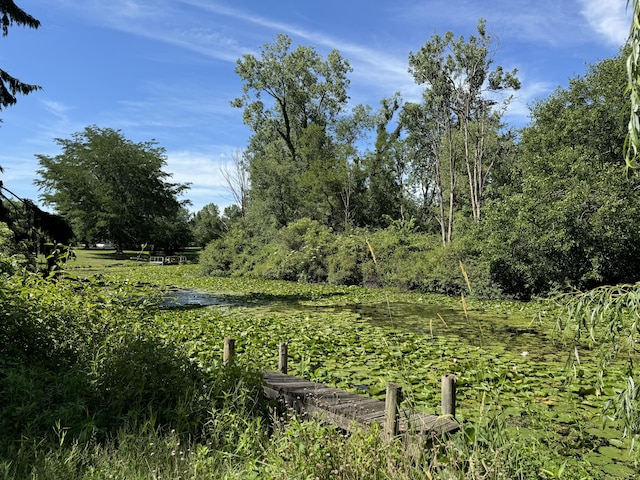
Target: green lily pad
<point>595,458</point>
<point>607,433</point>
<point>614,453</point>
<point>618,470</point>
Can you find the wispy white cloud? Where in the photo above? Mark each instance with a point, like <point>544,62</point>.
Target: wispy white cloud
<point>203,27</point>
<point>371,67</point>
<point>56,120</point>
<point>204,172</point>
<point>610,18</point>
<point>174,110</point>
<point>209,33</point>
<point>187,166</point>
<point>56,108</point>
<point>550,23</point>
<point>16,171</point>
<point>163,21</point>
<point>200,197</point>
<point>207,43</point>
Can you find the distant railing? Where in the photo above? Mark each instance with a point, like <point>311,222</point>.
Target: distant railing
<point>168,260</point>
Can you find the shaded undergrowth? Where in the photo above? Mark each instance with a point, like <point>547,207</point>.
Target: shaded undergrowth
<point>82,369</point>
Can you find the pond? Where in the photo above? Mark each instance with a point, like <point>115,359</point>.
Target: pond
<point>507,356</point>
<point>514,333</point>
<point>190,298</point>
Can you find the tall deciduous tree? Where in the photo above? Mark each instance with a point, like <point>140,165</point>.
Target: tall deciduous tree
<point>291,98</point>
<point>632,141</point>
<point>110,187</point>
<point>349,130</point>
<point>608,315</point>
<point>207,225</point>
<point>464,88</point>
<point>385,167</point>
<point>434,169</point>
<point>237,177</point>
<point>10,86</point>
<point>172,232</point>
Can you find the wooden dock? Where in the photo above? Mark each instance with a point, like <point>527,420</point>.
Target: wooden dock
<point>348,410</point>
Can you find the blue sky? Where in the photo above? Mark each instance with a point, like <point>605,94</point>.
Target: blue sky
<point>164,69</point>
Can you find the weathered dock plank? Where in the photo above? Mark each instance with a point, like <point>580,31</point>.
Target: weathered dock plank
<point>347,410</point>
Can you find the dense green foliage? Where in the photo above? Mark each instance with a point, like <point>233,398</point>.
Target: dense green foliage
<point>607,318</point>
<point>632,140</point>
<point>83,367</point>
<point>12,256</point>
<point>547,209</point>
<point>398,256</point>
<point>97,381</point>
<point>91,345</point>
<point>290,100</point>
<point>569,216</point>
<point>206,225</point>
<point>308,156</point>
<point>111,188</point>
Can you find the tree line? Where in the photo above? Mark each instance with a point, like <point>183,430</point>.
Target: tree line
<point>434,182</point>
<point>309,156</point>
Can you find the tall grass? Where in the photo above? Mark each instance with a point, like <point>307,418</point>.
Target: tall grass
<point>83,372</point>
<point>294,450</point>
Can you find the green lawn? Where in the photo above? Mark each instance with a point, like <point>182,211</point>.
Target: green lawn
<point>95,260</point>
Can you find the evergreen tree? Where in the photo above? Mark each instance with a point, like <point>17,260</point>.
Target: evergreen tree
<point>10,86</point>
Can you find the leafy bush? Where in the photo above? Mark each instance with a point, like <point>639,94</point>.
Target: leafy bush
<point>346,262</point>
<point>216,259</point>
<point>232,254</point>
<point>12,257</point>
<point>447,270</point>
<point>298,252</point>
<point>414,261</point>
<point>397,256</point>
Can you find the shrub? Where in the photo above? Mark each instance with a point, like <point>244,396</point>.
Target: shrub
<point>414,261</point>
<point>12,256</point>
<point>233,254</point>
<point>298,253</point>
<point>350,254</point>
<point>87,357</point>
<point>310,252</point>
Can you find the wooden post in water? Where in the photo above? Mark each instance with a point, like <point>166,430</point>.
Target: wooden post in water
<point>283,357</point>
<point>391,402</point>
<point>229,350</point>
<point>449,395</point>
